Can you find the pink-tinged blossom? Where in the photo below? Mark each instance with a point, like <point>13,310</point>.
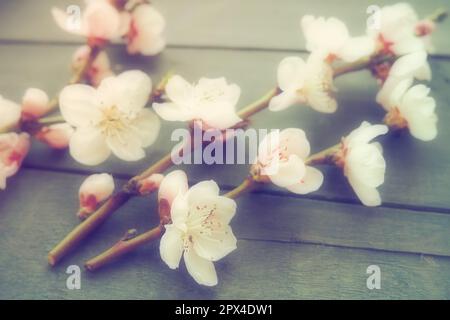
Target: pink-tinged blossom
<point>199,228</point>
<point>13,150</point>
<point>281,158</point>
<point>98,70</point>
<point>57,136</point>
<point>94,190</point>
<point>35,104</point>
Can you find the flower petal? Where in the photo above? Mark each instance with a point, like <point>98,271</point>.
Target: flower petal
<point>126,145</point>
<point>311,182</point>
<point>201,190</point>
<point>174,183</point>
<point>147,126</point>
<point>294,141</point>
<point>284,100</point>
<point>216,246</point>
<point>179,90</point>
<point>286,173</point>
<point>356,48</point>
<point>9,114</point>
<point>88,146</point>
<point>171,246</point>
<point>200,269</point>
<point>172,111</point>
<point>369,196</point>
<point>134,91</point>
<point>78,105</point>
<point>291,73</point>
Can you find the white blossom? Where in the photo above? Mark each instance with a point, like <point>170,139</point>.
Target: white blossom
<point>111,118</point>
<point>199,229</point>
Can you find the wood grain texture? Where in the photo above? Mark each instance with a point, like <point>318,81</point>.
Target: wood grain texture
<point>259,24</point>
<point>417,175</point>
<point>259,217</point>
<point>257,269</point>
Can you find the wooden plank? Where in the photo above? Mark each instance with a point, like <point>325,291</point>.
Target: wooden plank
<point>32,222</point>
<point>416,173</point>
<point>259,217</point>
<point>232,23</point>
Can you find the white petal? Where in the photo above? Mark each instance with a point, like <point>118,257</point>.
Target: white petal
<point>221,115</point>
<point>369,196</point>
<point>134,91</point>
<point>294,141</point>
<point>126,145</point>
<point>88,146</point>
<point>200,269</point>
<point>201,190</point>
<point>311,182</point>
<point>174,183</point>
<point>419,111</point>
<point>147,126</point>
<point>366,163</point>
<point>286,173</point>
<point>171,246</point>
<point>179,90</point>
<point>172,111</point>
<point>365,133</point>
<point>10,113</point>
<point>179,210</point>
<point>217,246</point>
<point>78,104</point>
<point>408,64</point>
<point>357,48</point>
<point>291,73</point>
<point>284,100</point>
<point>408,45</point>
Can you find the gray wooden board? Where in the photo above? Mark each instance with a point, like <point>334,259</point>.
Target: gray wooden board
<point>260,24</point>
<point>268,255</point>
<point>417,174</point>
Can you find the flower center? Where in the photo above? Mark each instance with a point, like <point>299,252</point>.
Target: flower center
<point>113,121</point>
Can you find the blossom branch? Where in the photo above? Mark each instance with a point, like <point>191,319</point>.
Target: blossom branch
<point>128,243</point>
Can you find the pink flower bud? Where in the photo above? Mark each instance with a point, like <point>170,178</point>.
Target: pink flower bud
<point>150,184</point>
<point>95,189</point>
<point>56,136</point>
<point>13,149</point>
<point>99,69</point>
<point>35,104</point>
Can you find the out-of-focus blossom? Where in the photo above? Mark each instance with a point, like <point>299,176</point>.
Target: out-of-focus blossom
<point>211,101</point>
<point>363,162</point>
<point>13,150</point>
<point>111,118</point>
<point>56,136</point>
<point>424,30</point>
<point>281,158</point>
<point>95,189</point>
<point>98,70</point>
<point>145,33</point>
<point>35,104</point>
<point>309,82</point>
<point>199,228</point>
<point>331,37</point>
<point>409,107</point>
<point>100,21</point>
<point>397,30</point>
<point>9,114</point>
<point>150,184</point>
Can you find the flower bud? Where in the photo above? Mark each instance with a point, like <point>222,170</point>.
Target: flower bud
<point>57,136</point>
<point>94,190</point>
<point>35,104</point>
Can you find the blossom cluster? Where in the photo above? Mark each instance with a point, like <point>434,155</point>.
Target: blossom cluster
<point>105,114</point>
